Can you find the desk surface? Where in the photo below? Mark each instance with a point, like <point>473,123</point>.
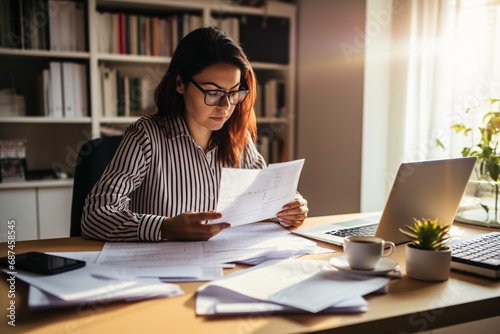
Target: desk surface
<point>410,305</point>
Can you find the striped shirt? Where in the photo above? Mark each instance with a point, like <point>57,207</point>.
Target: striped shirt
<point>157,172</point>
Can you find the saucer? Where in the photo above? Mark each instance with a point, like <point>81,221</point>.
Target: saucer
<point>384,266</point>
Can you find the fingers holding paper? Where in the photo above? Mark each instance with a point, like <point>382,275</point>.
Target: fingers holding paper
<point>294,213</point>
<point>191,226</point>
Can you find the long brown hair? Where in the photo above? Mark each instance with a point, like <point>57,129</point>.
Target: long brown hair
<point>196,51</point>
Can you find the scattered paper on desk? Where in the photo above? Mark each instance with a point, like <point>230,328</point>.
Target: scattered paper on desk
<point>213,301</point>
<point>146,289</point>
<point>251,195</point>
<point>82,284</point>
<point>88,257</point>
<point>259,241</point>
<point>307,285</point>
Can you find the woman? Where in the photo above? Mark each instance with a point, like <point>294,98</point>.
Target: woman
<point>163,182</point>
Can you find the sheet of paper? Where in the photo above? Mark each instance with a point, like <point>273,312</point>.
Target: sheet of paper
<point>308,285</point>
<point>207,274</point>
<point>251,195</point>
<point>88,257</point>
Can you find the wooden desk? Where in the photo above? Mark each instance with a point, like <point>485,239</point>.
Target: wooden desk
<point>410,305</point>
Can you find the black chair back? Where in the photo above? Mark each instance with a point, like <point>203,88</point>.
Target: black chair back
<point>93,158</point>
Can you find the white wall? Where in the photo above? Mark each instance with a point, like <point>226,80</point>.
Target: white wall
<point>330,76</point>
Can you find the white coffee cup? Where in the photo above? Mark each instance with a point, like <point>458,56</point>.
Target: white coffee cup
<point>364,252</point>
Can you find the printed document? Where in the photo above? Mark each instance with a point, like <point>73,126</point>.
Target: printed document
<point>251,195</point>
<point>287,285</point>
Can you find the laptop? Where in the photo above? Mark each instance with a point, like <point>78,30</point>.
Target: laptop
<point>424,189</point>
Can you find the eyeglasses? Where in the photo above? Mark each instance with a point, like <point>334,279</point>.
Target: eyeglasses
<point>214,97</point>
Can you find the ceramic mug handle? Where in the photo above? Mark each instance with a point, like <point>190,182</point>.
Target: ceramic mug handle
<point>391,249</point>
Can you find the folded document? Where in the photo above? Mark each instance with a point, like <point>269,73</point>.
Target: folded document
<point>287,286</point>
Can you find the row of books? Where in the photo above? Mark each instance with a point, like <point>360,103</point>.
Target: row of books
<point>125,94</point>
<point>12,160</point>
<point>230,25</point>
<point>42,25</point>
<point>63,90</point>
<point>271,101</point>
<point>135,34</point>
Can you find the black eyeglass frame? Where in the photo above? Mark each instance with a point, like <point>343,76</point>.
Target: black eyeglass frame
<point>226,94</point>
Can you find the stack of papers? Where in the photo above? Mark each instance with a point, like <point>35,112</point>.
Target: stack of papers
<point>288,286</point>
<point>250,243</point>
<point>83,285</point>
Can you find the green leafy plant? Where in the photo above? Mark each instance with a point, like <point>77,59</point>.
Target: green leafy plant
<point>427,234</point>
<point>486,149</point>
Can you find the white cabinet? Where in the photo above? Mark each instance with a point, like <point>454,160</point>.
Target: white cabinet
<point>54,212</point>
<point>19,206</point>
<point>40,210</point>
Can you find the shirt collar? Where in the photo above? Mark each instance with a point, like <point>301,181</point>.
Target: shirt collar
<point>175,127</point>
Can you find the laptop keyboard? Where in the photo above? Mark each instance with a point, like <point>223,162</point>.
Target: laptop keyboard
<point>359,230</point>
<point>483,250</point>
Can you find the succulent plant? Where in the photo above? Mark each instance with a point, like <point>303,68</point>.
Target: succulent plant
<point>427,234</point>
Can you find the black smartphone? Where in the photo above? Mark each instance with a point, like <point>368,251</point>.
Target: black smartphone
<point>40,263</point>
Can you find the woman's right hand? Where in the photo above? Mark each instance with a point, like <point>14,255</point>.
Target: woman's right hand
<point>191,226</point>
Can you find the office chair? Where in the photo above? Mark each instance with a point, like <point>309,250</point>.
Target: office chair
<point>93,158</point>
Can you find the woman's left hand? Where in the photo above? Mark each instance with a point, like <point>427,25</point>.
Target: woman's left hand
<point>294,213</point>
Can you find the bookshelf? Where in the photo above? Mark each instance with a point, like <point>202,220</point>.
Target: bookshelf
<point>27,51</point>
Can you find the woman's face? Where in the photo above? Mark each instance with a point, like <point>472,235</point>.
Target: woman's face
<point>201,118</point>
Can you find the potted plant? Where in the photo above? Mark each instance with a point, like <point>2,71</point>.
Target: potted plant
<point>486,186</point>
<point>427,257</point>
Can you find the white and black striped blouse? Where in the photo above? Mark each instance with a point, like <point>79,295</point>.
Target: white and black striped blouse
<point>158,171</point>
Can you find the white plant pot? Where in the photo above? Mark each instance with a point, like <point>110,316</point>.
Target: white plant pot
<point>427,265</point>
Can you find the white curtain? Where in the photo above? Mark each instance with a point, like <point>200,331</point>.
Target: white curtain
<point>440,57</point>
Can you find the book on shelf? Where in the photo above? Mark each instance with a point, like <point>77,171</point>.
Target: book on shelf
<point>43,91</point>
<point>23,24</point>
<point>55,98</point>
<point>66,93</point>
<point>141,34</point>
<point>79,25</point>
<point>107,90</point>
<point>12,160</point>
<point>54,27</point>
<point>81,91</point>
<point>42,25</point>
<point>74,89</point>
<point>66,25</point>
<point>68,90</point>
<point>11,104</point>
<point>125,94</point>
<point>274,98</point>
<point>230,25</point>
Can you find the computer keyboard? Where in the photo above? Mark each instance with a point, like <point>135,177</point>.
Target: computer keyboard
<point>480,254</point>
<point>359,230</point>
<point>485,249</point>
